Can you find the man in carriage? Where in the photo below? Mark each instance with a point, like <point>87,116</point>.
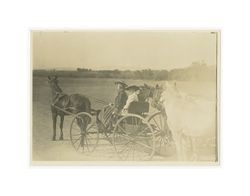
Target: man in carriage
<point>121,97</point>
<point>113,110</point>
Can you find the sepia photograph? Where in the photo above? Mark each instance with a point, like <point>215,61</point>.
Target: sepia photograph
<point>120,97</point>
<point>125,98</point>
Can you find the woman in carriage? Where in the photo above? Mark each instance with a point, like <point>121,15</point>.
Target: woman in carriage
<point>134,91</point>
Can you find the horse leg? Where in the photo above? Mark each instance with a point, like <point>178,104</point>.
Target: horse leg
<point>54,117</point>
<point>177,145</point>
<point>195,156</point>
<point>80,123</point>
<point>179,141</point>
<point>84,128</point>
<point>61,127</point>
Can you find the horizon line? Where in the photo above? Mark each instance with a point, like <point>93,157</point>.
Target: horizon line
<point>75,69</point>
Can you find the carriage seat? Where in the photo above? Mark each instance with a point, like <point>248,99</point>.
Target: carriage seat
<point>139,107</point>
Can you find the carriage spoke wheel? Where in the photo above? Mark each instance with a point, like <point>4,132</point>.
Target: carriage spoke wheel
<point>104,132</point>
<point>104,123</point>
<point>133,138</point>
<point>162,133</point>
<point>84,134</point>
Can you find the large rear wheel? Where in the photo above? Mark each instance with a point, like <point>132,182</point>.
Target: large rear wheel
<point>163,138</point>
<point>133,138</point>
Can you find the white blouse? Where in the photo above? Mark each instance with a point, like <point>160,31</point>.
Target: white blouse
<point>131,98</point>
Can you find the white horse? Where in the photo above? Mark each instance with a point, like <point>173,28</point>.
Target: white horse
<point>192,122</point>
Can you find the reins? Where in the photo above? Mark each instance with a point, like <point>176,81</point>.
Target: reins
<point>56,98</point>
<point>94,98</point>
<point>99,100</point>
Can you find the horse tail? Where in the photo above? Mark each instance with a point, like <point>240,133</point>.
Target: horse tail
<point>88,106</point>
<point>85,107</point>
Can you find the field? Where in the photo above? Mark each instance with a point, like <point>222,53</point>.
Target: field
<point>44,149</point>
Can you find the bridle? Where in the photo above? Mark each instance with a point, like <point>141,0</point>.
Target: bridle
<point>146,93</point>
<point>58,93</point>
<point>156,99</point>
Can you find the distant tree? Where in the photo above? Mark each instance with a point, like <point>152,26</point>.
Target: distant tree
<point>82,69</point>
<point>161,75</point>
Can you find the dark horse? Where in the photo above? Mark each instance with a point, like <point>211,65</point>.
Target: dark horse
<point>155,93</point>
<point>63,104</point>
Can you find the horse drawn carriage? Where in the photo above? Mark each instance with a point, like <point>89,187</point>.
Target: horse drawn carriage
<point>137,135</point>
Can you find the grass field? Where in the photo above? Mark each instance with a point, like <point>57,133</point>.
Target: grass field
<point>44,149</point>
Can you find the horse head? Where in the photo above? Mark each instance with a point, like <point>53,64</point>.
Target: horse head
<point>145,92</point>
<point>157,97</point>
<point>153,92</point>
<point>53,82</point>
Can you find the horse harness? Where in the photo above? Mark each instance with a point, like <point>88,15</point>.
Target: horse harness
<point>59,95</point>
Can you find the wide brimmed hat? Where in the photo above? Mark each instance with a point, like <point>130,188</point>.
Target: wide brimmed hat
<point>132,88</point>
<point>122,83</point>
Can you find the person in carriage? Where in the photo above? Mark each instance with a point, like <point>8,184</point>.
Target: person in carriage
<point>121,98</point>
<point>125,96</point>
<point>133,92</point>
<point>113,110</point>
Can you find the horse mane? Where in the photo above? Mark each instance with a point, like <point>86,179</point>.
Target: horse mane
<point>142,95</point>
<point>58,88</point>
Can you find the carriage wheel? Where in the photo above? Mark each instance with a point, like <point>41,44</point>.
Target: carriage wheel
<point>133,138</point>
<point>84,134</point>
<point>162,133</point>
<point>105,134</point>
<point>102,122</point>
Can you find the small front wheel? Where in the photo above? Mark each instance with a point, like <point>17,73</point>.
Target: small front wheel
<point>84,134</point>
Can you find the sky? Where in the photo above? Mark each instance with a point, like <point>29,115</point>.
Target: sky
<point>124,50</point>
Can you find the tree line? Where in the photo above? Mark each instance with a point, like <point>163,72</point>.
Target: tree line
<point>193,72</point>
